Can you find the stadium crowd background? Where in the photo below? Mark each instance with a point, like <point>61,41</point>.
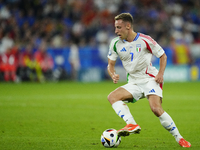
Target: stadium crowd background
<point>78,32</point>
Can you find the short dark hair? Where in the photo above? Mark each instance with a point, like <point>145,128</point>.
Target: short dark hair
<point>127,17</point>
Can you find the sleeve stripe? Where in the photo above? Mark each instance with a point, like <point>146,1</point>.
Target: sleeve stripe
<point>114,48</point>
<point>148,47</point>
<point>149,38</point>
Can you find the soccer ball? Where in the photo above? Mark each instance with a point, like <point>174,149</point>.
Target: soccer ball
<point>110,138</point>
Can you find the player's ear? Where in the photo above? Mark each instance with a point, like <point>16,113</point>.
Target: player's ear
<point>128,26</point>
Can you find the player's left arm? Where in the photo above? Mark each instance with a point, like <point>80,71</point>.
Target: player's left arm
<point>163,61</point>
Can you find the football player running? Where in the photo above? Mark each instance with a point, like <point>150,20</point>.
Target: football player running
<point>135,51</point>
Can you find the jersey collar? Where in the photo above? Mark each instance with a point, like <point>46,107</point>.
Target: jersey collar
<point>135,39</point>
<point>137,36</point>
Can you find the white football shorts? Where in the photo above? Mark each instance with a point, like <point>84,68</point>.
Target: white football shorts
<point>142,90</point>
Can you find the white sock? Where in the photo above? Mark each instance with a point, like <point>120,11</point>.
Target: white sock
<point>123,111</point>
<point>167,122</point>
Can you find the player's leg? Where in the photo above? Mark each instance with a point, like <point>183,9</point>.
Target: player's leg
<point>165,119</point>
<point>116,99</point>
<point>155,104</point>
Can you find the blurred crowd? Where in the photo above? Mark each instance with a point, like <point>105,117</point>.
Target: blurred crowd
<point>29,27</point>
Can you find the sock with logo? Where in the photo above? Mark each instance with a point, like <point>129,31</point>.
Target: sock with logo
<point>167,122</point>
<point>123,111</point>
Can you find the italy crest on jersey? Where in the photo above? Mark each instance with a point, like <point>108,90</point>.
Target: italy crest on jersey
<point>138,48</point>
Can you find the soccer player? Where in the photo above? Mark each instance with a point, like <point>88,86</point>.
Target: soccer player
<point>135,51</point>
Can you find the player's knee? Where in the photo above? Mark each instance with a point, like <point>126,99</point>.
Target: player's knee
<point>112,98</point>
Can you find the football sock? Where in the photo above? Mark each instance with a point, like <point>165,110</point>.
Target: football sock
<point>167,122</point>
<point>123,111</point>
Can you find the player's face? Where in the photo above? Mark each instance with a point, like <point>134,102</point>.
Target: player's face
<point>120,29</point>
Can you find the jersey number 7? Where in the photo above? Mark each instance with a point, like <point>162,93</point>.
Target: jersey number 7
<point>132,56</point>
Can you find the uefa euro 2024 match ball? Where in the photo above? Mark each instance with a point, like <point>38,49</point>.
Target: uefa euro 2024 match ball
<point>110,138</point>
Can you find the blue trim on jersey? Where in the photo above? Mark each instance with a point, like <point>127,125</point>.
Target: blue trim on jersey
<point>135,39</point>
<point>137,36</point>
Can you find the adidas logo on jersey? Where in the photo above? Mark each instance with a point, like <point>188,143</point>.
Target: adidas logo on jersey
<point>152,91</point>
<point>123,50</point>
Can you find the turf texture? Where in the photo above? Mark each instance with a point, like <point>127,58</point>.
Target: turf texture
<point>73,115</point>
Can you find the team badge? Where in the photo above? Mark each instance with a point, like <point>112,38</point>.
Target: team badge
<point>138,48</point>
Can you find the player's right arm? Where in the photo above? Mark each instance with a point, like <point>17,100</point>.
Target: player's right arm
<point>112,57</point>
<point>111,70</point>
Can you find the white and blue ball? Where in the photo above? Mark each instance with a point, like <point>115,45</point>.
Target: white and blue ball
<point>110,138</point>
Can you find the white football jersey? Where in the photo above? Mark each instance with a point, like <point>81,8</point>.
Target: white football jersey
<point>136,57</point>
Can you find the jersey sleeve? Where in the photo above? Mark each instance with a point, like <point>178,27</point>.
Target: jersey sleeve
<point>153,46</point>
<point>157,50</point>
<point>112,54</point>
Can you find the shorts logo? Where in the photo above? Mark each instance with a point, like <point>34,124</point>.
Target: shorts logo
<point>152,91</point>
<point>138,48</point>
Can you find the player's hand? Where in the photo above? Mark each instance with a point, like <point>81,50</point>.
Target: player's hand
<point>159,78</point>
<point>115,78</point>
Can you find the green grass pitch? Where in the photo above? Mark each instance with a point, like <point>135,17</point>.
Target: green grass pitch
<point>72,116</point>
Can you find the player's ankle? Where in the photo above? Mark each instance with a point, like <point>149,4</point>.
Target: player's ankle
<point>177,137</point>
